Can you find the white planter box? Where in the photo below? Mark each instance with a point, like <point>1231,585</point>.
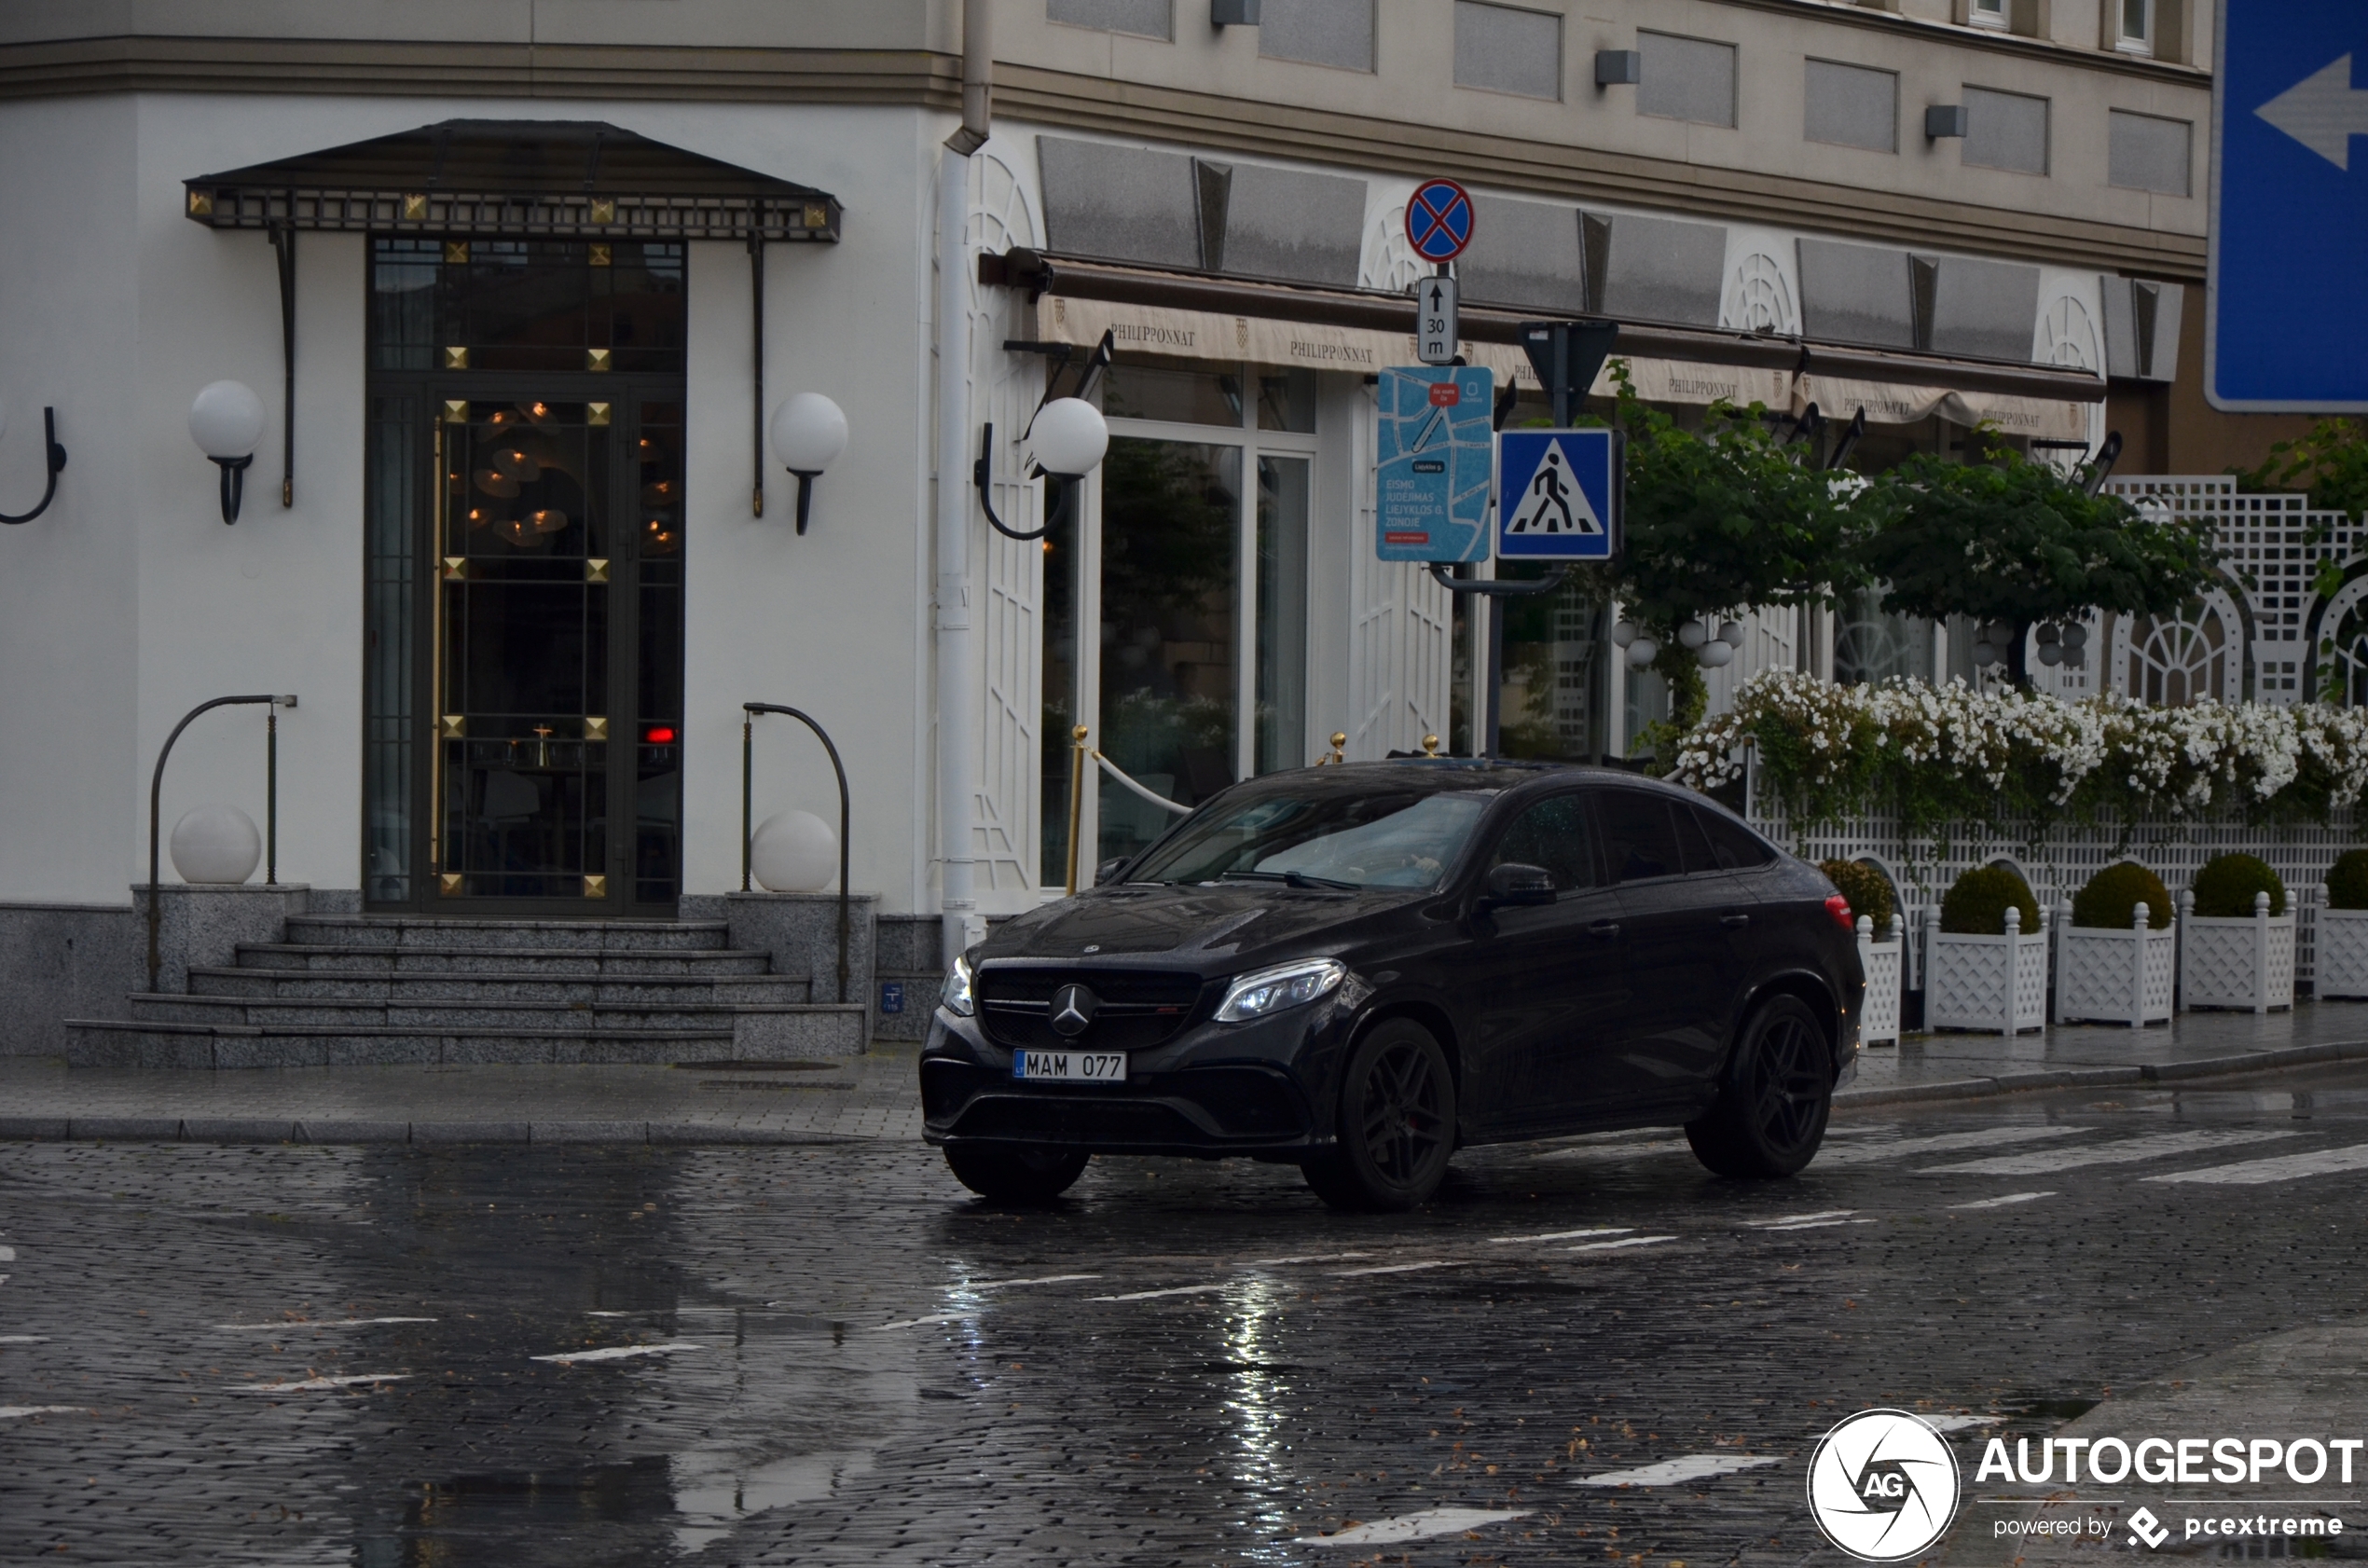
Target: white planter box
<point>1998,984</point>
<point>2343,952</point>
<point>1879,1015</point>
<point>2114,976</point>
<point>2236,963</point>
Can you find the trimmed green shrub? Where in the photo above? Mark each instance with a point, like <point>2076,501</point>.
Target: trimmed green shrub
<point>2224,888</point>
<point>1867,889</point>
<point>2347,880</point>
<point>1976,903</point>
<point>2110,897</point>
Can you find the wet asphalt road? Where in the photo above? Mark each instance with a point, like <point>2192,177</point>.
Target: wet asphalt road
<point>400,1356</point>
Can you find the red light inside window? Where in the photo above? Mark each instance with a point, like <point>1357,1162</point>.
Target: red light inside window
<point>659,735</point>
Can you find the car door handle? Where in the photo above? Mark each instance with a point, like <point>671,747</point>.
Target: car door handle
<point>1734,922</point>
<point>1606,929</point>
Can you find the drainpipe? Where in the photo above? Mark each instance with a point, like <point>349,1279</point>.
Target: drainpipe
<point>958,741</point>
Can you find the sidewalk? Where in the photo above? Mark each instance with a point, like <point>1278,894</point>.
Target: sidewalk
<point>872,1097</point>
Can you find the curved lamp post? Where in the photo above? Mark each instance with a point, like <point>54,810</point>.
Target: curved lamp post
<point>747,806</point>
<point>270,795</point>
<point>227,421</point>
<point>809,432</point>
<point>53,455</point>
<point>1067,441</point>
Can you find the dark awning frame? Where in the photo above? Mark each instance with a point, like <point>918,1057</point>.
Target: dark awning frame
<point>1081,279</point>
<point>516,180</point>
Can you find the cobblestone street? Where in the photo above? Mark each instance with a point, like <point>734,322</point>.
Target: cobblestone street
<point>832,1354</point>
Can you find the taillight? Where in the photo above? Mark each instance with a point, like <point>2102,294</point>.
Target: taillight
<point>1839,907</point>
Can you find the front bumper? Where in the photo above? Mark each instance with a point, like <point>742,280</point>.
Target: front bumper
<point>1262,1089</point>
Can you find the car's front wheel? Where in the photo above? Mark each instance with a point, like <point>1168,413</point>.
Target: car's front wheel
<point>1015,1175</point>
<point>1397,1124</point>
<point>1771,1113</point>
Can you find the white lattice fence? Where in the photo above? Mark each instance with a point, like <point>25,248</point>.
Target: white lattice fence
<point>1884,963</point>
<point>2112,975</point>
<point>2059,861</point>
<point>2340,955</point>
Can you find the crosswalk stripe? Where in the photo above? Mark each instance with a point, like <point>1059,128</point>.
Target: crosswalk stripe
<point>2128,1151</point>
<point>1414,1527</point>
<point>2000,1202</point>
<point>2283,1167</point>
<point>1155,1295</point>
<point>1674,1472</point>
<point>1567,1235</point>
<point>1939,1142</point>
<point>1625,1242</point>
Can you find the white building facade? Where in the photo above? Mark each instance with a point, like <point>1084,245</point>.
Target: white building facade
<point>518,580</point>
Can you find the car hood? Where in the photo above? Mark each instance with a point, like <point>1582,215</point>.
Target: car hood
<point>1194,926</point>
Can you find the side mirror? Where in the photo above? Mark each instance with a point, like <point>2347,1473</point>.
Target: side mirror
<point>1108,870</point>
<point>1514,883</point>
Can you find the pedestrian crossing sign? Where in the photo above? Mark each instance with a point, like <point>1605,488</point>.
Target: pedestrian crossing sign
<point>1557,495</point>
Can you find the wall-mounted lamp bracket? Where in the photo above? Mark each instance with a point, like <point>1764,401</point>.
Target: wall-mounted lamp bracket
<point>54,456</point>
<point>234,484</point>
<point>1504,589</point>
<point>1945,121</point>
<point>2101,467</point>
<point>1851,434</point>
<point>806,478</point>
<point>284,244</point>
<point>983,476</point>
<point>1057,356</point>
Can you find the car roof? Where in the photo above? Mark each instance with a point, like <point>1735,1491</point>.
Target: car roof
<point>1474,773</point>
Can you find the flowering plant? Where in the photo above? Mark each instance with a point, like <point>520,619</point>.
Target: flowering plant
<point>1939,754</point>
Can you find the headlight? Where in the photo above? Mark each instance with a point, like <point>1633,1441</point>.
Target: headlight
<point>1271,991</point>
<point>955,994</point>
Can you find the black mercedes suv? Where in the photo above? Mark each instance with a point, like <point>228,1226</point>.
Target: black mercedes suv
<point>1360,968</point>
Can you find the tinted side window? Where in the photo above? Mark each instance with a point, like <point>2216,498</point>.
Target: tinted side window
<point>1553,834</point>
<point>1639,840</point>
<point>1736,846</point>
<point>1694,841</point>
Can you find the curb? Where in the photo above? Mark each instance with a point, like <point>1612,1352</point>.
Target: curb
<point>2286,1060</point>
<point>422,1134</point>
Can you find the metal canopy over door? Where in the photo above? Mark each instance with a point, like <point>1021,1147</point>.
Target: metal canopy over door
<point>524,613</point>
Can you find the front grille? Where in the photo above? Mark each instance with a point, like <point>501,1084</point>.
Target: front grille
<point>1137,1009</point>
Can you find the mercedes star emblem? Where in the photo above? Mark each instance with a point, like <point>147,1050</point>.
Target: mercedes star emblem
<point>1072,1010</point>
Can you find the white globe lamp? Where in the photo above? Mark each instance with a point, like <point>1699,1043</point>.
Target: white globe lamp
<point>225,420</point>
<point>795,852</point>
<point>1692,634</point>
<point>808,432</point>
<point>215,845</point>
<point>1642,652</point>
<point>1985,653</point>
<point>1715,654</point>
<point>1731,634</point>
<point>1068,438</point>
<point>1623,633</point>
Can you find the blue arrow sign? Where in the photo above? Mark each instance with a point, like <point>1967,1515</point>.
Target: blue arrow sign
<point>1434,464</point>
<point>2285,332</point>
<point>1560,495</point>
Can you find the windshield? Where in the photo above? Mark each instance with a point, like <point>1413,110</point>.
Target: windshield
<point>1390,839</point>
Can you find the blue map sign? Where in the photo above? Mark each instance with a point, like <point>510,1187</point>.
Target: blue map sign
<point>1439,220</point>
<point>1436,458</point>
<point>2285,332</point>
<point>1559,499</point>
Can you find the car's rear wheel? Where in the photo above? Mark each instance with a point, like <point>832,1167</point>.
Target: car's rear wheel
<point>1396,1123</point>
<point>1010,1174</point>
<point>1771,1113</point>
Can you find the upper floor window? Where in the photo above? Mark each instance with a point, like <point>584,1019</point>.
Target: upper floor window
<point>1985,13</point>
<point>1850,107</point>
<point>2005,130</point>
<point>1686,79</point>
<point>1506,48</point>
<point>1145,18</point>
<point>2134,26</point>
<point>1319,32</point>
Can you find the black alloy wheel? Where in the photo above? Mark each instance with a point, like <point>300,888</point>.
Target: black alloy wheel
<point>1770,1114</point>
<point>1015,1173</point>
<point>1396,1123</point>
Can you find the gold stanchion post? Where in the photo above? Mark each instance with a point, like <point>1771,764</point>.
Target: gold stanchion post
<point>1077,799</point>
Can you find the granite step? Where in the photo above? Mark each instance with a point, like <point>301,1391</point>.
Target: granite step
<point>412,931</point>
<point>497,985</point>
<point>755,1035</point>
<point>340,958</point>
<point>487,1015</point>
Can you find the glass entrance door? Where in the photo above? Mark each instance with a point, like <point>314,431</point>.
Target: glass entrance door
<point>523,620</point>
<point>558,651</point>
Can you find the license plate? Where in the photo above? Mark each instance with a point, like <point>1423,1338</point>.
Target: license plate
<point>1070,1067</point>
